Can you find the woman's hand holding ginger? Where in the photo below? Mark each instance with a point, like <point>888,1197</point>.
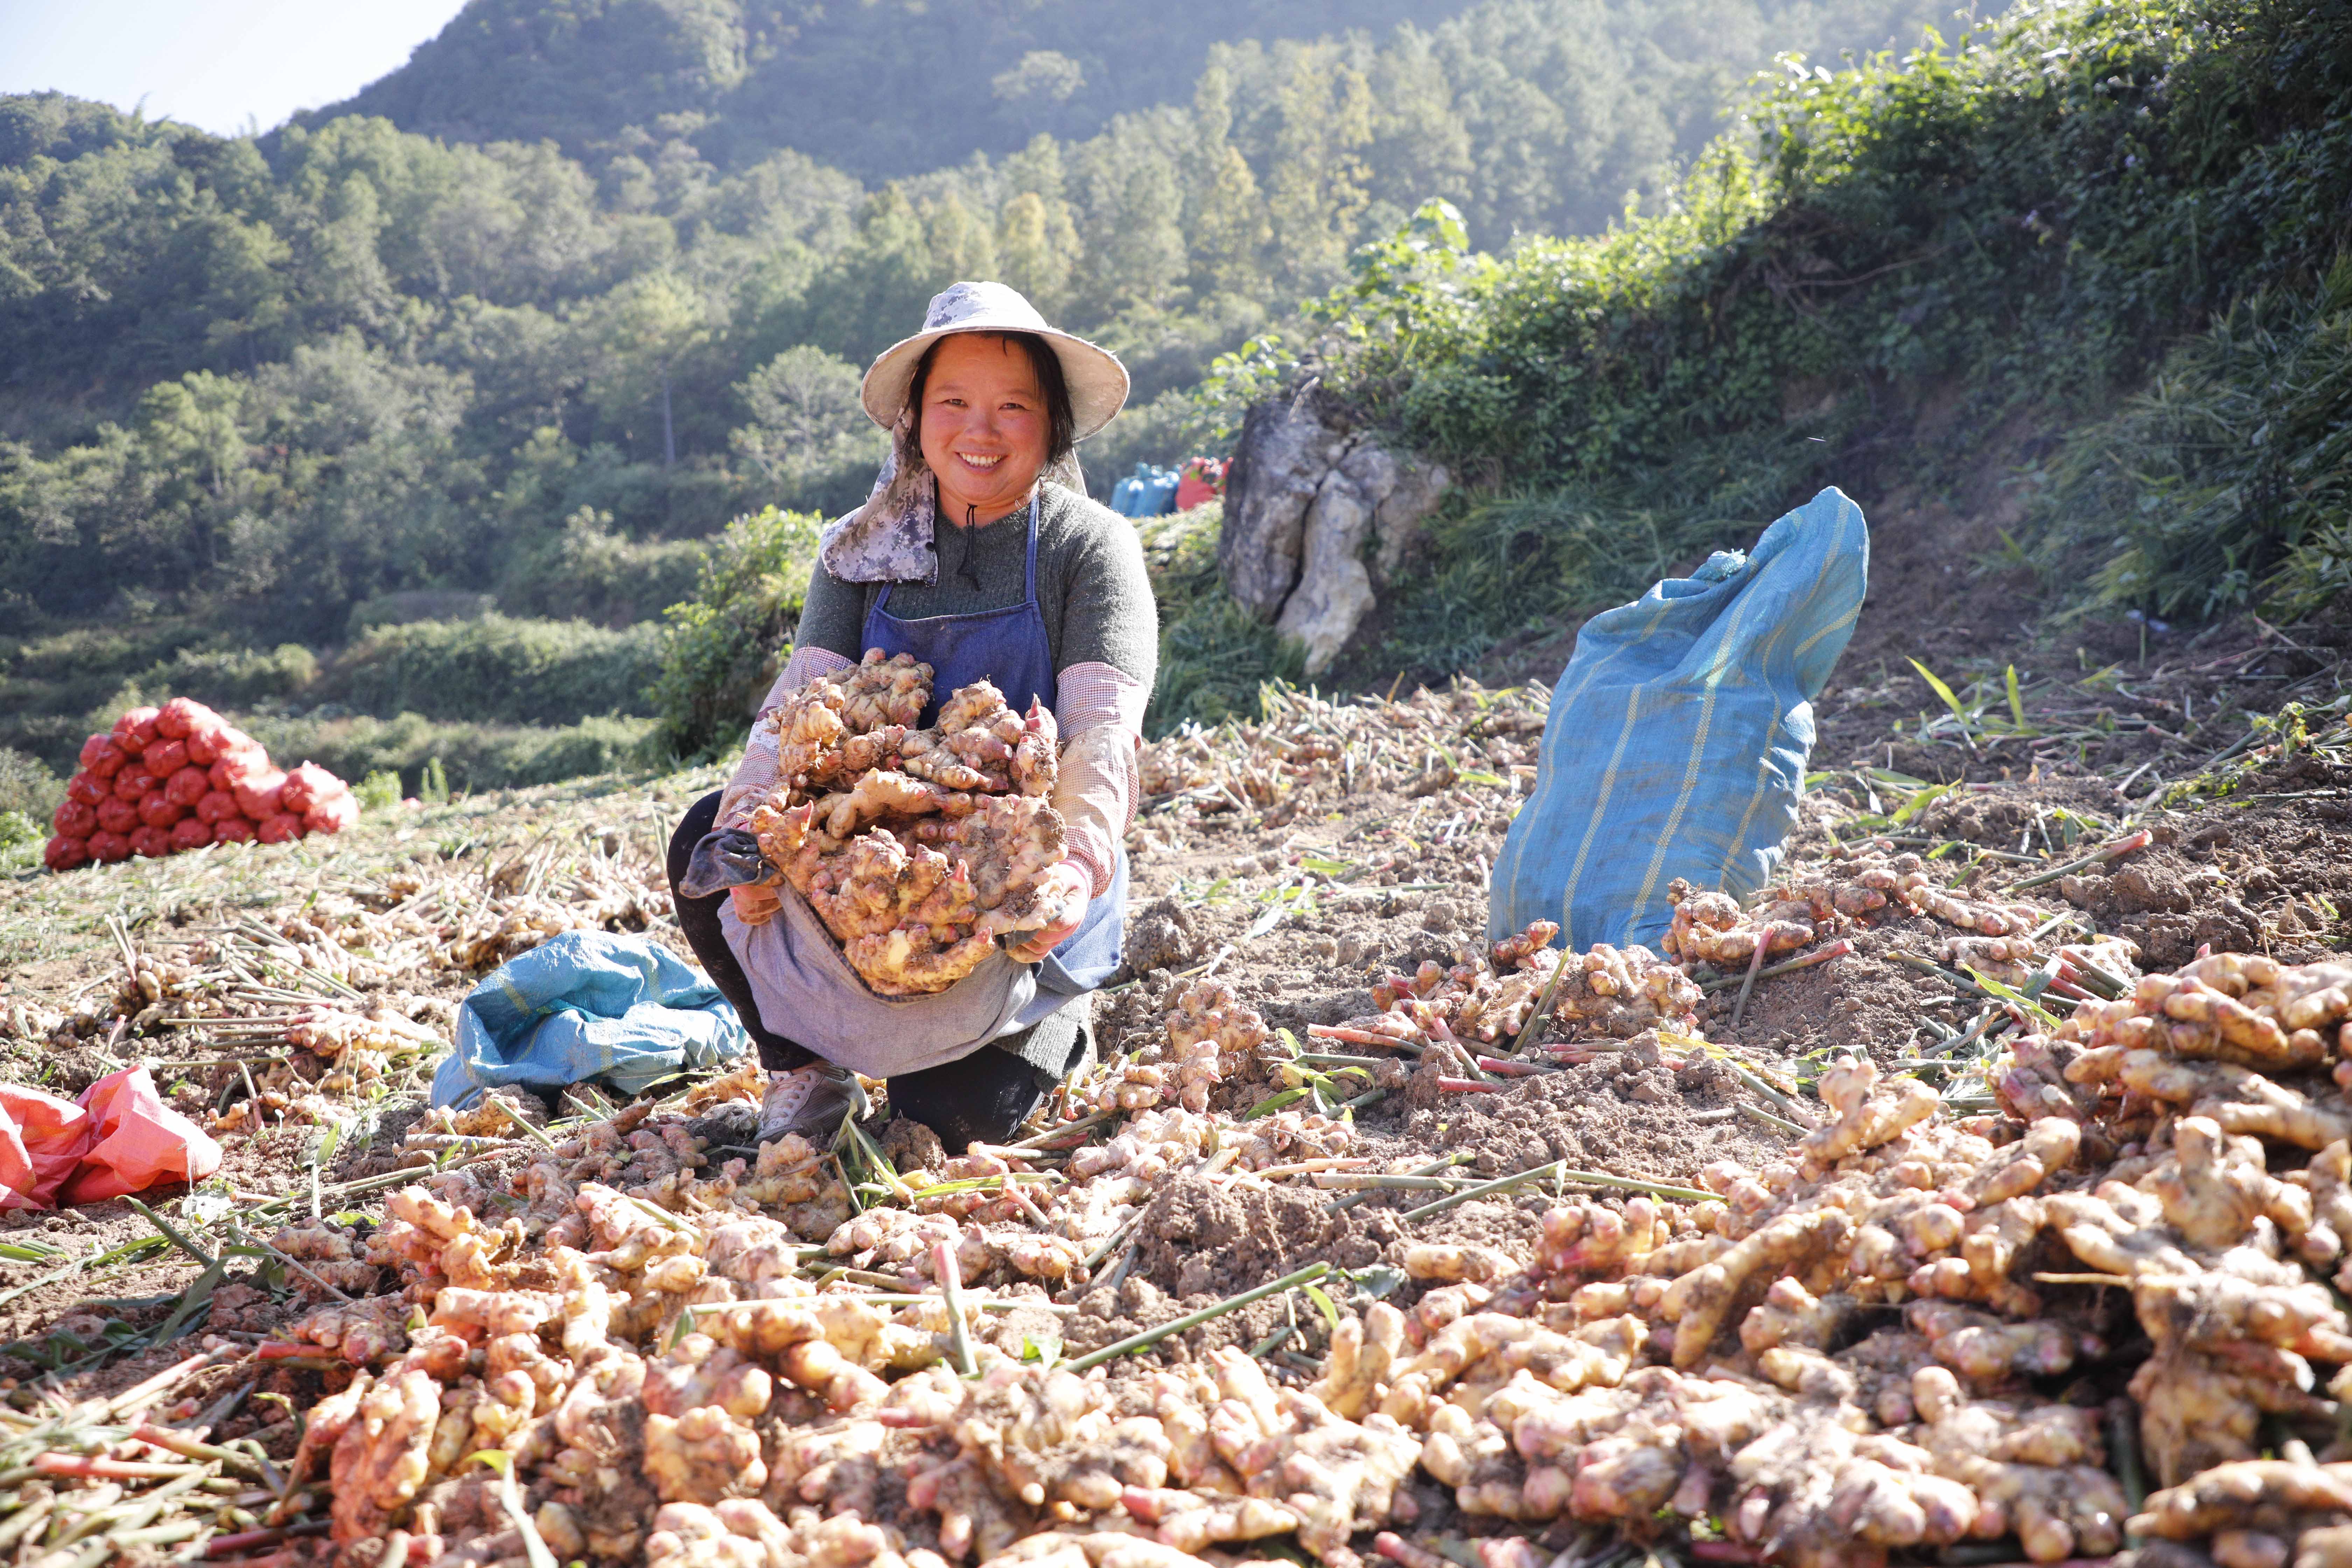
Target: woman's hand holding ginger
<point>1064,889</point>
<point>755,905</point>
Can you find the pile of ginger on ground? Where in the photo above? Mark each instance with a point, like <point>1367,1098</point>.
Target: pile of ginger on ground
<point>1914,1332</point>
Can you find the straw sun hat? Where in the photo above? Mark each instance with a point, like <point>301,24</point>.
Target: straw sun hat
<point>1097,382</point>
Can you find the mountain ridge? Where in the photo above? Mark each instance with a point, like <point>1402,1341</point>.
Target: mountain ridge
<point>740,79</point>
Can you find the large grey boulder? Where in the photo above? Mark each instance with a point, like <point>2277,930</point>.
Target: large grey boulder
<point>1317,517</point>
<point>1284,451</point>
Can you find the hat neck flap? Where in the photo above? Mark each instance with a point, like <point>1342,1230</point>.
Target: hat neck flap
<point>893,538</point>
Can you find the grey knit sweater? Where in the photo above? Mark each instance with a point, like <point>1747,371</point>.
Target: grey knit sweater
<point>1091,587</point>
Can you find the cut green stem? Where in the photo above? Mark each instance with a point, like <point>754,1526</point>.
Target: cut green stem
<point>172,1234</point>
<point>1150,1337</point>
<point>2124,846</point>
<point>1445,1162</point>
<point>950,1277</point>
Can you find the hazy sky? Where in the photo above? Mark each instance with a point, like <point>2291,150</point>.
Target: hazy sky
<point>218,64</point>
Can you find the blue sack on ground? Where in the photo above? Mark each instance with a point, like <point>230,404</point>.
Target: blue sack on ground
<point>1150,491</point>
<point>1678,735</point>
<point>585,1005</point>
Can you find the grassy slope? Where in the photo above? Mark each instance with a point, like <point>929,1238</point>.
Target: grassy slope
<point>2089,247</point>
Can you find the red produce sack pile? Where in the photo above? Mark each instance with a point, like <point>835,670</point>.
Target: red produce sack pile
<point>121,1138</point>
<point>179,777</point>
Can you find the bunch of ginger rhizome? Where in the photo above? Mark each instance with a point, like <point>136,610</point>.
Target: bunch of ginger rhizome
<point>1914,1335</point>
<point>917,848</point>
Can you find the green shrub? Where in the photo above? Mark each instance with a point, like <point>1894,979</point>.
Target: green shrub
<point>2227,479</point>
<point>588,570</point>
<point>1213,658</point>
<point>380,790</point>
<point>723,648</point>
<point>52,683</point>
<point>1508,564</point>
<point>28,785</point>
<point>472,756</point>
<point>233,677</point>
<point>498,670</point>
<point>1179,553</point>
<point>418,605</point>
<point>17,828</point>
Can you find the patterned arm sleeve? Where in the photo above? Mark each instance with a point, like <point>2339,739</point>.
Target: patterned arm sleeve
<point>755,775</point>
<point>1101,715</point>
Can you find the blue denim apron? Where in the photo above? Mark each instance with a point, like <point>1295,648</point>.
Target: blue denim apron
<point>805,988</point>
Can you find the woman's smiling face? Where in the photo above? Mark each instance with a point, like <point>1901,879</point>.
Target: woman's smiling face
<point>985,426</point>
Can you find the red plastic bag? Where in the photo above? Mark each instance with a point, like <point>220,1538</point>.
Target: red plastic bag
<point>42,1139</point>
<point>136,1142</point>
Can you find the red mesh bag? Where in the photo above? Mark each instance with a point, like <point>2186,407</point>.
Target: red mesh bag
<point>89,788</point>
<point>208,742</point>
<point>309,785</point>
<point>187,787</point>
<point>178,719</point>
<point>241,767</point>
<point>62,854</point>
<point>332,816</point>
<point>261,797</point>
<point>116,814</point>
<point>191,833</point>
<point>282,829</point>
<point>136,728</point>
<point>165,758</point>
<point>157,810</point>
<point>74,819</point>
<point>108,847</point>
<point>233,830</point>
<point>216,806</point>
<point>133,781</point>
<point>151,842</point>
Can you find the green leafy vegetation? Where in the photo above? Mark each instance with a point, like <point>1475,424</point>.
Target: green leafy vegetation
<point>1894,270</point>
<point>380,790</point>
<point>26,786</point>
<point>1213,656</point>
<point>497,669</point>
<point>471,756</point>
<point>639,89</point>
<point>2229,477</point>
<point>727,644</point>
<point>284,376</point>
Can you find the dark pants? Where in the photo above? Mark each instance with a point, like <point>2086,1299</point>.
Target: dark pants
<point>982,1097</point>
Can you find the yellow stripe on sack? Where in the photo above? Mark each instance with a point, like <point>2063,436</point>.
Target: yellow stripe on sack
<point>1714,685</point>
<point>1548,778</point>
<point>1847,510</point>
<point>1592,823</point>
<point>1780,716</point>
<point>1763,787</point>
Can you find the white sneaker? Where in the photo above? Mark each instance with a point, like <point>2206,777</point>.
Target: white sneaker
<point>811,1100</point>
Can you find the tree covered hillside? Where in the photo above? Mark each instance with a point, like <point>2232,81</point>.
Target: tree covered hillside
<point>882,89</point>
<point>283,377</point>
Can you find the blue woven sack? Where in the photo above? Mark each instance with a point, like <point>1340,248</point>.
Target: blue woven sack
<point>587,1004</point>
<point>1150,491</point>
<point>1678,735</point>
